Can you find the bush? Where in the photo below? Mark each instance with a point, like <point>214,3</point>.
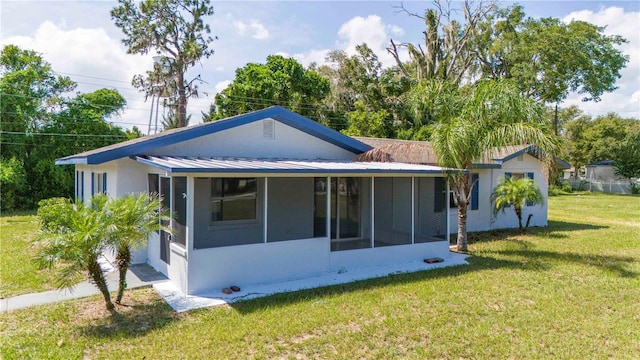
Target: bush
<point>54,214</point>
<point>12,182</point>
<point>566,187</point>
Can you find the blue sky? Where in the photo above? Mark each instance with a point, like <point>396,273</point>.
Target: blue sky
<point>79,38</point>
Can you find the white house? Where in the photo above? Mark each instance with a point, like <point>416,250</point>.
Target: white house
<point>271,195</point>
<point>511,161</point>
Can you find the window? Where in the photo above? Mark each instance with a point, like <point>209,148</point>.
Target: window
<point>80,186</point>
<point>233,199</point>
<point>98,183</point>
<point>440,194</point>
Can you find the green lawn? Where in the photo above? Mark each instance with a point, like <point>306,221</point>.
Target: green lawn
<point>571,291</point>
<point>18,243</point>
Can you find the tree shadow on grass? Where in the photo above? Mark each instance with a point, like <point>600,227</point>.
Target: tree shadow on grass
<point>618,265</point>
<point>523,257</point>
<point>555,230</point>
<point>132,321</point>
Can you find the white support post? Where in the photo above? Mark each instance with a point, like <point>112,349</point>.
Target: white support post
<point>448,215</point>
<point>373,207</point>
<point>264,220</point>
<point>328,221</point>
<point>413,210</point>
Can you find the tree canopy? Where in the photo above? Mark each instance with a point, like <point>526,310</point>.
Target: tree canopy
<point>548,58</point>
<point>174,29</point>
<point>41,121</point>
<point>279,81</point>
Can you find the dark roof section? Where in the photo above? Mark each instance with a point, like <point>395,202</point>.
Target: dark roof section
<point>602,162</point>
<point>421,152</point>
<point>150,142</point>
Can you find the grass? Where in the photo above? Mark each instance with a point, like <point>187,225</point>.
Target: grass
<point>569,291</point>
<point>18,273</point>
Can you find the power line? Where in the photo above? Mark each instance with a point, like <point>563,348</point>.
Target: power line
<point>60,134</point>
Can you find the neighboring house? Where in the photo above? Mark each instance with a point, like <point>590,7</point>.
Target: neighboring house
<point>602,171</point>
<point>269,196</point>
<point>513,161</point>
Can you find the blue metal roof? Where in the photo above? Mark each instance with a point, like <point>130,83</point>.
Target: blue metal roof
<point>180,164</point>
<point>151,142</point>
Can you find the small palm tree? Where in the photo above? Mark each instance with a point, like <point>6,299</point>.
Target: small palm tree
<point>77,242</point>
<point>515,192</point>
<point>134,218</point>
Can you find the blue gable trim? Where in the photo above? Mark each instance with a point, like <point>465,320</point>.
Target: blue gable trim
<point>279,113</point>
<point>528,150</point>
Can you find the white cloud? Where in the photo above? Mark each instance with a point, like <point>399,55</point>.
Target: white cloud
<point>312,56</point>
<point>625,101</point>
<point>255,29</point>
<point>221,85</point>
<point>240,26</point>
<point>358,30</point>
<point>93,60</point>
<point>395,30</point>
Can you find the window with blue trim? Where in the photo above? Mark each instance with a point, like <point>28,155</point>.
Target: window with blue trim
<point>440,194</point>
<point>98,183</point>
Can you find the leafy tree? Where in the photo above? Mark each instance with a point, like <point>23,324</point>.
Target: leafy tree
<point>80,125</point>
<point>361,87</point>
<point>174,29</point>
<point>627,160</point>
<point>590,140</point>
<point>75,240</point>
<point>479,119</point>
<point>133,218</point>
<point>366,123</point>
<point>133,133</point>
<point>547,58</point>
<point>30,90</point>
<point>280,81</point>
<point>40,123</point>
<point>12,182</point>
<point>515,192</point>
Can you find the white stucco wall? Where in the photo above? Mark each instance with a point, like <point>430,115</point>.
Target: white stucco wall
<point>483,219</point>
<point>216,268</point>
<point>249,141</point>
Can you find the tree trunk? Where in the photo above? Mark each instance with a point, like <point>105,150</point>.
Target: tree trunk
<point>182,101</point>
<point>519,215</point>
<point>462,190</point>
<point>97,277</point>
<point>123,260</point>
<point>462,227</point>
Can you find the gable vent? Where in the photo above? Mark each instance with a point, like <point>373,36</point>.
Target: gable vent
<point>268,128</point>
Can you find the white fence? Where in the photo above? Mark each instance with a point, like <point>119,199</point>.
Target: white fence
<point>611,186</point>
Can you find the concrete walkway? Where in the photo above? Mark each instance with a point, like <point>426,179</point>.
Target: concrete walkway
<point>181,302</point>
<point>137,276</point>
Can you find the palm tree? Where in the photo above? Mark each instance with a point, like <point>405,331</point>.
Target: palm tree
<point>516,192</point>
<point>77,243</point>
<point>473,122</point>
<point>134,218</point>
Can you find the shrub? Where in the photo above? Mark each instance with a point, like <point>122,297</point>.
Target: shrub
<point>12,182</point>
<point>54,214</point>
